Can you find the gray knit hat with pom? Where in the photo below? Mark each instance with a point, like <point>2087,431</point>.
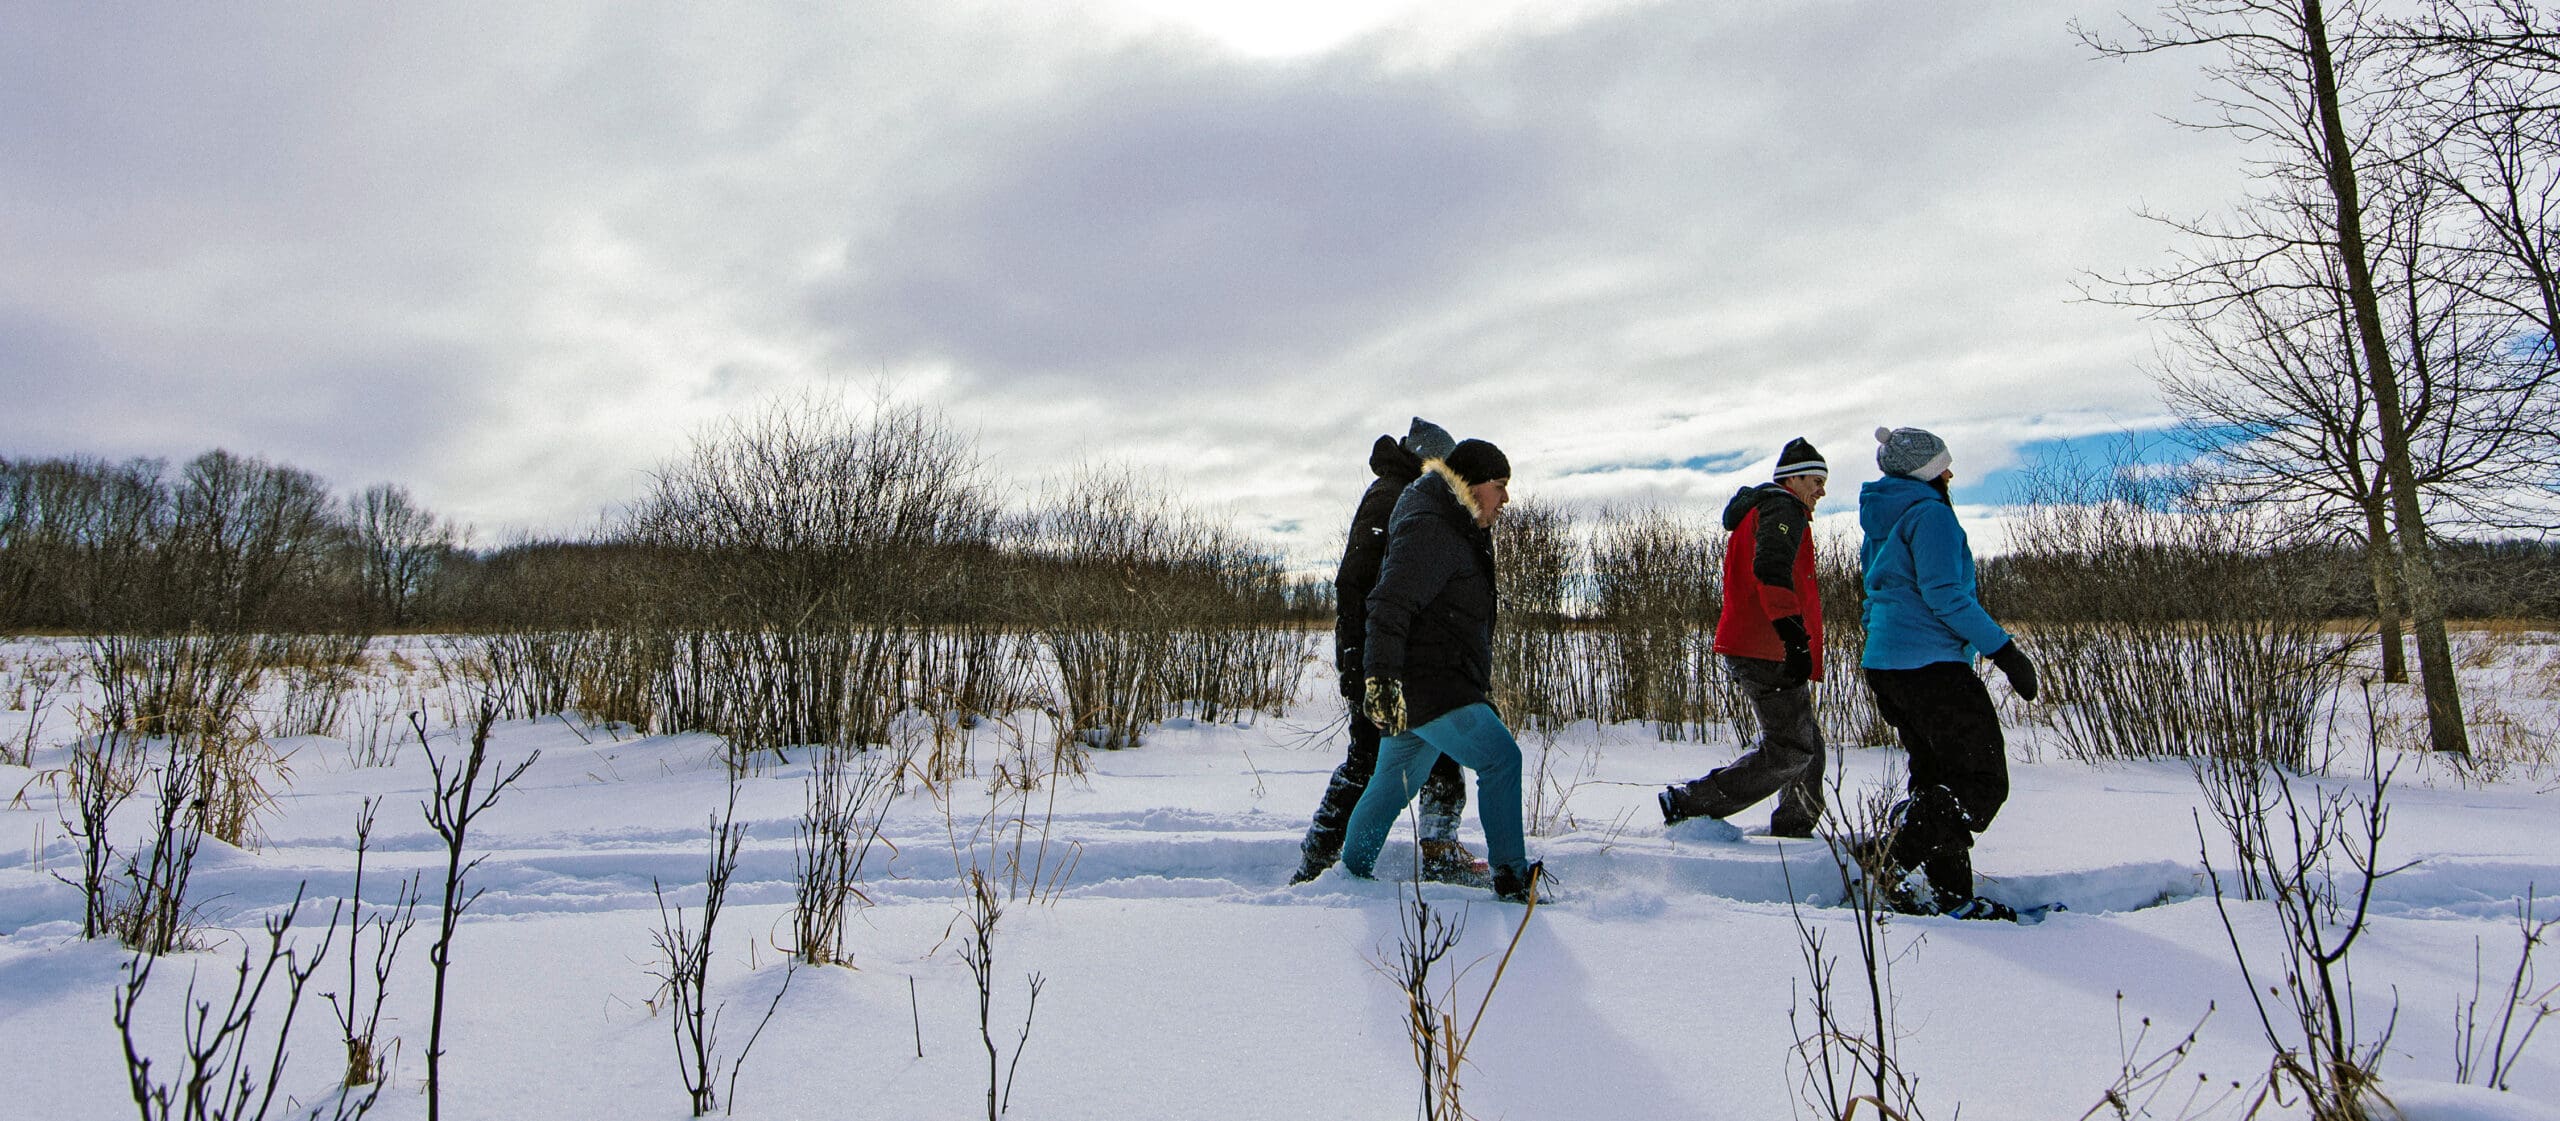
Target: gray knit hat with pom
<point>1428,441</point>
<point>1911,451</point>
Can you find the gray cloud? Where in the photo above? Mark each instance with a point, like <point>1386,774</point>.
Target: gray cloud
<point>512,260</point>
<point>1164,215</point>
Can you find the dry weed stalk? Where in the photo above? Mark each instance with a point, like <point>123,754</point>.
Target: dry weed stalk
<point>2290,847</point>
<point>2521,1010</point>
<point>1424,939</point>
<point>2142,1080</point>
<point>1853,1058</point>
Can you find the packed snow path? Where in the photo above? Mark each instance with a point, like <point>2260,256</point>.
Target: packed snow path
<point>1185,979</point>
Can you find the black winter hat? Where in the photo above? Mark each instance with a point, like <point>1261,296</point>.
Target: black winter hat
<point>1799,458</point>
<point>1476,461</point>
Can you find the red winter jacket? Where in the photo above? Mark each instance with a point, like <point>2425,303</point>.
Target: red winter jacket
<point>1768,574</point>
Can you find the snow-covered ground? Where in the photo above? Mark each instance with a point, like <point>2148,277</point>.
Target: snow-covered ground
<point>1185,979</point>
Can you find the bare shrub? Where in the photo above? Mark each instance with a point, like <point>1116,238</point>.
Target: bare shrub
<point>2314,857</point>
<point>793,552</point>
<point>320,671</point>
<point>1657,589</point>
<point>845,797</point>
<point>177,684</point>
<point>458,799</point>
<point>195,690</point>
<point>2143,1079</point>
<point>2168,632</point>
<point>232,1064</point>
<point>618,674</point>
<point>684,973</point>
<point>981,910</point>
<point>1106,623</point>
<point>359,1009</point>
<point>1541,675</point>
<point>39,680</point>
<point>1416,963</point>
<point>1144,607</point>
<point>531,674</point>
<point>100,776</point>
<point>149,911</point>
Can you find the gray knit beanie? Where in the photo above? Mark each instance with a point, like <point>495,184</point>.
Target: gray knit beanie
<point>1911,451</point>
<point>1428,441</point>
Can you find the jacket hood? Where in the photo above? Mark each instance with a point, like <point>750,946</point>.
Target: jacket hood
<point>1389,460</point>
<point>1747,498</point>
<point>1443,488</point>
<point>1883,502</point>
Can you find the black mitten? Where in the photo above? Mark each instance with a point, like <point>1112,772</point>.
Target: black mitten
<point>2021,669</point>
<point>1799,646</point>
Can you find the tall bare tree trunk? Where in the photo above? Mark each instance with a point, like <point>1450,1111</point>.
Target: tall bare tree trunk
<point>2383,562</point>
<point>2417,560</point>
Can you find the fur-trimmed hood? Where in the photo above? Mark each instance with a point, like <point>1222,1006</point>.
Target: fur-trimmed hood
<point>1457,488</point>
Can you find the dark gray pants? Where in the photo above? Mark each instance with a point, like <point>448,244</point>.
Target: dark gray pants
<point>1788,761</point>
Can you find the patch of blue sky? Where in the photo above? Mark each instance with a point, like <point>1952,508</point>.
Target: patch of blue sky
<point>2152,448</point>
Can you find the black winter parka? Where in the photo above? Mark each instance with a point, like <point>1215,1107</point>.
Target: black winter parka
<point>1395,469</point>
<point>1431,615</point>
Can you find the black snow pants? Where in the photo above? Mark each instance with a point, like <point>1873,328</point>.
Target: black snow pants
<point>1959,768</point>
<point>1444,795</point>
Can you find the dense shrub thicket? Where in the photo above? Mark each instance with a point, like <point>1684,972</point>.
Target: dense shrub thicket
<point>812,576</point>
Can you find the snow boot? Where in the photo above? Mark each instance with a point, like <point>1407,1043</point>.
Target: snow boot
<point>1680,802</point>
<point>1314,856</point>
<point>1520,884</point>
<point>1450,863</point>
<point>1310,866</point>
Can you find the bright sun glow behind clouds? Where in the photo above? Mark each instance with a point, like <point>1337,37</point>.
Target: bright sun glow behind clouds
<point>1300,28</point>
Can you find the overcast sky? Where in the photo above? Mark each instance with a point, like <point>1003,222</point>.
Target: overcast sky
<point>512,256</point>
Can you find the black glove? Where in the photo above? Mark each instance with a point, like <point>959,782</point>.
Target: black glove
<point>1383,701</point>
<point>2022,671</point>
<point>1350,683</point>
<point>1799,645</point>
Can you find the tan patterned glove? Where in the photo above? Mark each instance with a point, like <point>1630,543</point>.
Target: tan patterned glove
<point>1383,701</point>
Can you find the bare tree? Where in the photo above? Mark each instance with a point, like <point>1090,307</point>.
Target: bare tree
<point>398,546</point>
<point>2317,96</point>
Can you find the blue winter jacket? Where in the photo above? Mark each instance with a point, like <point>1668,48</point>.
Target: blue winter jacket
<point>1920,601</point>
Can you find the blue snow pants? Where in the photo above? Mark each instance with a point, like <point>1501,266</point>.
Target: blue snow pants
<point>1473,736</point>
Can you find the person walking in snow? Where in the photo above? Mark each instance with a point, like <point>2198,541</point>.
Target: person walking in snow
<point>1396,463</point>
<point>1428,662</point>
<point>1770,635</point>
<point>1924,627</point>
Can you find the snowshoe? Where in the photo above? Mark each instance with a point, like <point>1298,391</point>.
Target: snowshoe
<point>1449,862</point>
<point>1994,910</point>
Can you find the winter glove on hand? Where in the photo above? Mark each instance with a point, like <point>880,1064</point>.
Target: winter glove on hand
<point>1350,683</point>
<point>1799,645</point>
<point>1384,703</point>
<point>2022,672</point>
